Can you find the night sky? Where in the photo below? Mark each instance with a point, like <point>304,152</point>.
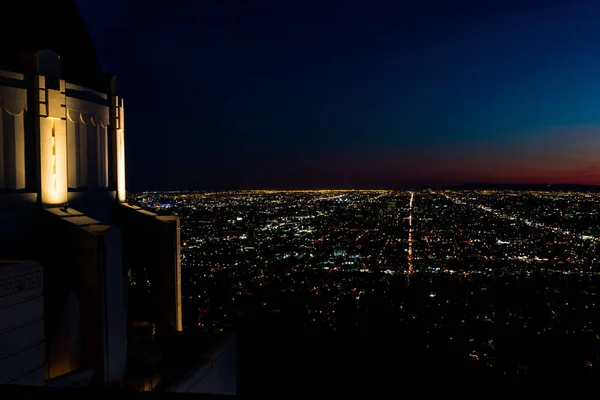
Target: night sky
<point>354,94</point>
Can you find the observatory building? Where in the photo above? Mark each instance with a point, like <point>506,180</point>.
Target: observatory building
<point>69,241</point>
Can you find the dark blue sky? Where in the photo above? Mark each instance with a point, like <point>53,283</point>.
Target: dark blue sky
<point>289,94</point>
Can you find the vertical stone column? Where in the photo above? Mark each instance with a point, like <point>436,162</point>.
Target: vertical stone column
<point>50,115</point>
<point>117,127</point>
<point>169,273</point>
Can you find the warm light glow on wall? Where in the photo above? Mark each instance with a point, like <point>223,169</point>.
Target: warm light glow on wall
<point>54,154</point>
<point>53,148</point>
<point>121,194</point>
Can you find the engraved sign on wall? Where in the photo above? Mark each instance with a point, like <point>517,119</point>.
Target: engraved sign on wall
<point>21,283</point>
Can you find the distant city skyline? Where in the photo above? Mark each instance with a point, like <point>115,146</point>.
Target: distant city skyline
<point>348,96</point>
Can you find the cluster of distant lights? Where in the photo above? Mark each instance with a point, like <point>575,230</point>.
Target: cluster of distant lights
<point>526,221</point>
<point>340,195</point>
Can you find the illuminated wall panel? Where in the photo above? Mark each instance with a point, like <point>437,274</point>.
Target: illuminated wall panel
<point>121,194</point>
<point>51,115</point>
<point>60,162</point>
<point>53,160</point>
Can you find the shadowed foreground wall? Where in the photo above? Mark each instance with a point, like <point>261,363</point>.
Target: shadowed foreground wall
<point>85,296</point>
<point>151,242</point>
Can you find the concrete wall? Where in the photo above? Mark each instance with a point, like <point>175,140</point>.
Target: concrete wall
<point>85,297</point>
<point>21,323</point>
<point>153,242</point>
<point>112,296</point>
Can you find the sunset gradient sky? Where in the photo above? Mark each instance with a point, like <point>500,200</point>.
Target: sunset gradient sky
<point>286,94</point>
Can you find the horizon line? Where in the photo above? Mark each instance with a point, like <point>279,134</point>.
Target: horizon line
<point>407,187</point>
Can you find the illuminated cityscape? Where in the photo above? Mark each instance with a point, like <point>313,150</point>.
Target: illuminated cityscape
<point>487,281</point>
